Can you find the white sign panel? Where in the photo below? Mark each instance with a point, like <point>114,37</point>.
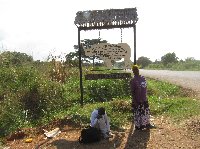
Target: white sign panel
<point>111,52</point>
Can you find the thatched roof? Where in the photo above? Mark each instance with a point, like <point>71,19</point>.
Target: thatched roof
<point>109,17</point>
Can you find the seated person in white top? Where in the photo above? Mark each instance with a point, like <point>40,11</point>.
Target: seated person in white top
<point>100,120</point>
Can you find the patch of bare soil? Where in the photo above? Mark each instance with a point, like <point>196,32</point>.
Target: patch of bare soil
<point>166,135</point>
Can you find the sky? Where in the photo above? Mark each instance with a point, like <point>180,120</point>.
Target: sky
<point>43,27</point>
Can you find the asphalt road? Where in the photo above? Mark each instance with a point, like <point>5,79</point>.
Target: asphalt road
<point>186,79</point>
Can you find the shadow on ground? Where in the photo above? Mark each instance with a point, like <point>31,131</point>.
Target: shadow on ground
<point>114,142</point>
<point>137,139</point>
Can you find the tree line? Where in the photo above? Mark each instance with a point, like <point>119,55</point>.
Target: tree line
<point>167,61</point>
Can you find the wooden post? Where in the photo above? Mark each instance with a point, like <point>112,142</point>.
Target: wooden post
<point>80,67</point>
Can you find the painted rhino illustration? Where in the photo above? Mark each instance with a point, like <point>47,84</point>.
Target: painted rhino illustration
<point>108,52</point>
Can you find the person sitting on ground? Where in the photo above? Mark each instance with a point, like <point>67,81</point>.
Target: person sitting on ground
<point>100,120</point>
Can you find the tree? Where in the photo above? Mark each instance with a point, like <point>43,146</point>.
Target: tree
<point>143,61</point>
<point>169,58</point>
<point>15,58</point>
<point>86,43</point>
<point>189,59</point>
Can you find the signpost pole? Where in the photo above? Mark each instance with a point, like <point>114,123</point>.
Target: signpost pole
<point>80,67</point>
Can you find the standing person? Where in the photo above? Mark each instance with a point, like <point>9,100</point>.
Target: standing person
<point>140,104</point>
<point>100,120</point>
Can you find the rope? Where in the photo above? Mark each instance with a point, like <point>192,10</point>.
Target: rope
<point>99,35</point>
<point>121,35</point>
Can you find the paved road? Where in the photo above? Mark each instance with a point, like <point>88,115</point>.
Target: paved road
<point>186,79</point>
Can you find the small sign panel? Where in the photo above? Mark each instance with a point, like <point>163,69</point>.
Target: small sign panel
<point>107,76</point>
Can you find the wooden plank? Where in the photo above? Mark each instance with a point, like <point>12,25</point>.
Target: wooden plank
<point>107,76</point>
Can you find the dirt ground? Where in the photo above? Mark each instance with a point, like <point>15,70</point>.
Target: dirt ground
<point>166,135</point>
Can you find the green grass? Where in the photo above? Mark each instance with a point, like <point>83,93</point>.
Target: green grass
<point>178,109</point>
<point>162,89</point>
<point>119,112</point>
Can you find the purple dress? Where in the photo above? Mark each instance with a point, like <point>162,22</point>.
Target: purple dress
<point>139,102</point>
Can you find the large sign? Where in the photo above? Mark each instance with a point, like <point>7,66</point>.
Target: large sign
<point>111,52</point>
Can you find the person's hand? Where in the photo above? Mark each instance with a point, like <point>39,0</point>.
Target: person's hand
<point>99,116</point>
<point>134,107</point>
<point>134,104</point>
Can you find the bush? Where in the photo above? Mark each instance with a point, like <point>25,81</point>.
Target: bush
<point>27,98</point>
<point>11,114</point>
<point>106,89</point>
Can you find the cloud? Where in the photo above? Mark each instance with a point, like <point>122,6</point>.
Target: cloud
<point>2,35</point>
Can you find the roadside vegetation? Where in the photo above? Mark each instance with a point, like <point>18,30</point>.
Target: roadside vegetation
<point>34,93</point>
<point>170,62</point>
